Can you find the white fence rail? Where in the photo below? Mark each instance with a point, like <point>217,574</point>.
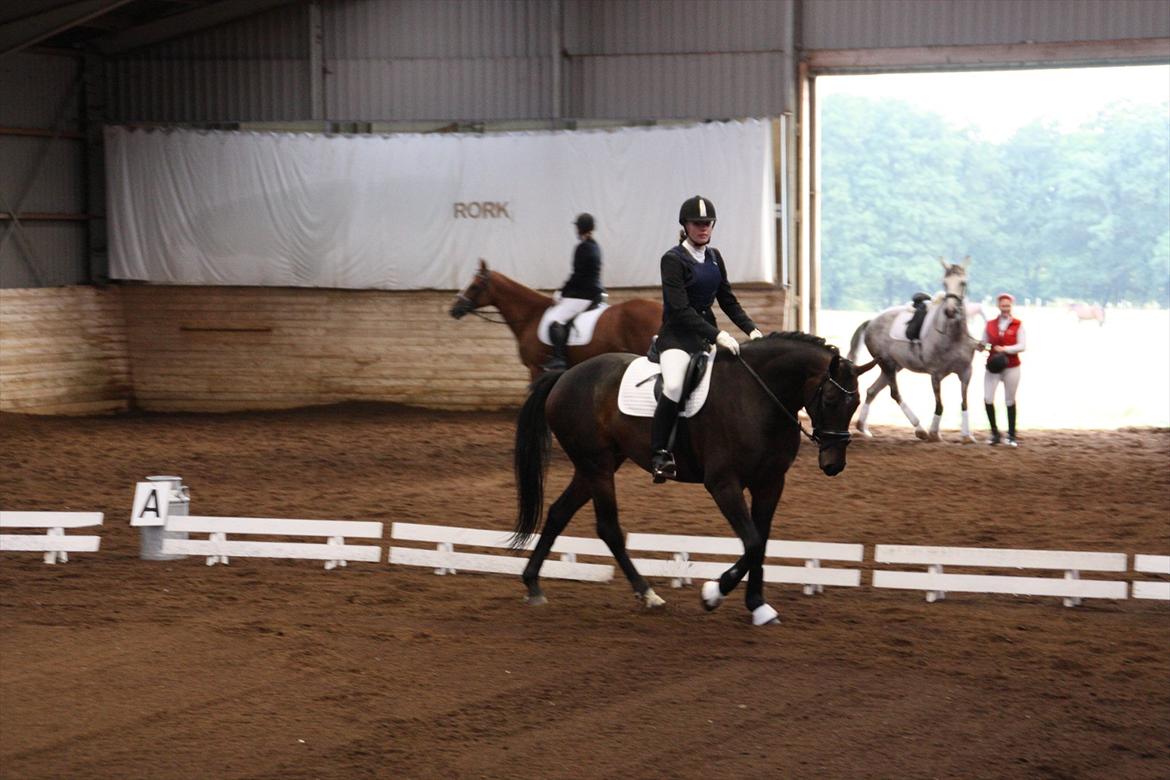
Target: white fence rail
<point>682,569</point>
<point>1151,564</point>
<point>446,560</point>
<point>53,541</point>
<point>936,582</point>
<point>218,548</point>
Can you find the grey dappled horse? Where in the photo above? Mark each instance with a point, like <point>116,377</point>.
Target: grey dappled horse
<point>945,347</point>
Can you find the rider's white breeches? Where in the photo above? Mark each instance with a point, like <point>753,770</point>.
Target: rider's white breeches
<point>567,308</point>
<point>674,364</point>
<point>1011,380</point>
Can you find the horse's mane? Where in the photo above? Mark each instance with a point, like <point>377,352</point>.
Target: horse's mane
<point>800,336</point>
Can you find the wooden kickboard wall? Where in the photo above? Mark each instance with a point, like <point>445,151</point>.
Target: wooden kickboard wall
<point>176,348</point>
<point>63,351</point>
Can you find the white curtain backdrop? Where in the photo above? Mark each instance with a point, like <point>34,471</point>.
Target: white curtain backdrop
<point>414,211</point>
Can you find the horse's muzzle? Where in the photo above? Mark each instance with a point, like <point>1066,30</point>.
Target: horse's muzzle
<point>460,307</point>
<point>831,455</point>
<point>834,468</point>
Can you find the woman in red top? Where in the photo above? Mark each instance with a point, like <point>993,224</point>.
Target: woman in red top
<point>1005,335</point>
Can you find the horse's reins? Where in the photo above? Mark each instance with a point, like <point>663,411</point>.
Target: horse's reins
<point>824,439</point>
<point>486,318</point>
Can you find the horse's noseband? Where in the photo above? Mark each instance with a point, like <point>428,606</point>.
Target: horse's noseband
<point>826,438</point>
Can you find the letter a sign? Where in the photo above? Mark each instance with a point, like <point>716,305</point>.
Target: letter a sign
<point>151,502</point>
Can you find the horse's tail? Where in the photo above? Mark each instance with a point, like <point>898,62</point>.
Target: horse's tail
<point>855,342</point>
<point>530,459</point>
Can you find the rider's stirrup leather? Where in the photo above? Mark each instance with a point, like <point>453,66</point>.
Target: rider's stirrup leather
<point>662,466</point>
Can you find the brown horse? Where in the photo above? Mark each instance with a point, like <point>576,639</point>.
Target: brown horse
<point>629,326</point>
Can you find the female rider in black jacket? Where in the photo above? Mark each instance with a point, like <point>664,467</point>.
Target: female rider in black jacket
<point>693,277</point>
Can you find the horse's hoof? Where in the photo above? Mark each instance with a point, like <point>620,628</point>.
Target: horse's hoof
<point>865,432</point>
<point>651,600</point>
<point>765,615</point>
<point>922,434</point>
<point>968,439</point>
<point>935,437</point>
<point>535,601</point>
<point>710,595</point>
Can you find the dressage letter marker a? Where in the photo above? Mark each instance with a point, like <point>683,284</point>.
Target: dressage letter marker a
<point>151,503</point>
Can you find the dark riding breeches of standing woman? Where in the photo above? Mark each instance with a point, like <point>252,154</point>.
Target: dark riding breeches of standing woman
<point>693,278</point>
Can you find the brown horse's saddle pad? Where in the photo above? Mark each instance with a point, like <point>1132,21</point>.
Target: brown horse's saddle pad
<point>580,329</point>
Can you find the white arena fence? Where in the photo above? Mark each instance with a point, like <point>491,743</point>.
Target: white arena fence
<point>680,558</point>
<point>1152,564</point>
<point>218,548</point>
<point>936,582</point>
<point>682,569</point>
<point>51,540</point>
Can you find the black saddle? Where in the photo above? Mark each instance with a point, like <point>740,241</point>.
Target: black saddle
<point>914,327</point>
<point>695,370</point>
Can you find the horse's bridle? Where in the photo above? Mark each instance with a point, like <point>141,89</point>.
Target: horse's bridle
<point>823,438</point>
<point>959,307</point>
<point>481,281</point>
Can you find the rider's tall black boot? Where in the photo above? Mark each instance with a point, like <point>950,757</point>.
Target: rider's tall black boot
<point>558,334</point>
<point>991,419</point>
<point>1011,437</point>
<point>661,461</point>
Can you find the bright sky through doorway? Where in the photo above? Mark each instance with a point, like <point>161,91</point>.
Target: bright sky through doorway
<point>1001,102</point>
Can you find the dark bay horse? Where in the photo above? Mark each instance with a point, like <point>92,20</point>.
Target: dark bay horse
<point>629,326</point>
<point>745,436</point>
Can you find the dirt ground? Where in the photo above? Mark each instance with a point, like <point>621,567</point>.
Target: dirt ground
<point>116,667</point>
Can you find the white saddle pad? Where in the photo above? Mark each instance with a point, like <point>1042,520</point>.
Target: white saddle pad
<point>636,394</point>
<point>581,331</point>
<point>902,319</point>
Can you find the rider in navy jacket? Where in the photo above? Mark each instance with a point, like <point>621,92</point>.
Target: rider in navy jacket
<point>580,292</point>
<point>693,278</point>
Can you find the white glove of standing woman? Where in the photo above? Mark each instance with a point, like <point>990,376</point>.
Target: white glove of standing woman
<point>755,334</point>
<point>725,340</point>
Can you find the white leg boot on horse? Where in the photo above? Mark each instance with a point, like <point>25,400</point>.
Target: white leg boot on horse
<point>765,615</point>
<point>935,422</point>
<point>919,431</point>
<point>650,599</point>
<point>861,417</point>
<point>966,437</point>
<point>710,595</point>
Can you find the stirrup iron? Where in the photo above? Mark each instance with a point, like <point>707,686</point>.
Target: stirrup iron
<point>662,466</point>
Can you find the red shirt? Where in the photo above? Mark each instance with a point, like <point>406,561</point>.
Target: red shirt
<point>1005,339</point>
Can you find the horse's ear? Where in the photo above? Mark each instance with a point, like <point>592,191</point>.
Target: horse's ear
<point>866,367</point>
<point>943,263</point>
<point>834,363</point>
<point>482,264</point>
<point>966,261</point>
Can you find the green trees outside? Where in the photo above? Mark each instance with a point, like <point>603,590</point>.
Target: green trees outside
<point>1081,215</point>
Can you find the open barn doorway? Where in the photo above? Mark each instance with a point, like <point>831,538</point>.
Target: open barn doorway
<point>1055,181</point>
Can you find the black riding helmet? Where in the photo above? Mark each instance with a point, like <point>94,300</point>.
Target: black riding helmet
<point>584,223</point>
<point>997,363</point>
<point>696,209</point>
